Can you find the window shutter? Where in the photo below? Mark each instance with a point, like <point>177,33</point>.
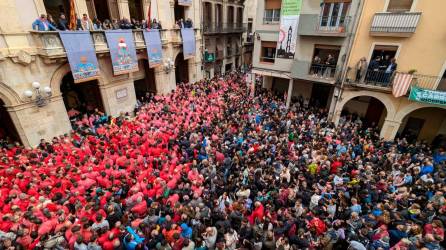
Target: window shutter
<point>273,4</point>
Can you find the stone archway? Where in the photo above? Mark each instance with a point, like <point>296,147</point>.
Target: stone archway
<point>181,68</point>
<point>349,95</point>
<point>422,122</point>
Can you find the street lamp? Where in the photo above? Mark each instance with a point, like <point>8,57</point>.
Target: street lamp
<point>168,65</point>
<point>41,97</point>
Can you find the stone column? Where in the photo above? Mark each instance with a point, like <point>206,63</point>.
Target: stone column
<point>290,93</point>
<point>11,28</point>
<point>213,14</point>
<point>81,8</point>
<point>123,7</point>
<point>267,82</point>
<point>40,6</point>
<point>118,96</point>
<point>389,129</point>
<point>33,123</point>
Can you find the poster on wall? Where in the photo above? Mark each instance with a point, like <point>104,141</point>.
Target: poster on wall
<point>122,51</point>
<point>289,20</point>
<point>188,35</point>
<point>185,2</point>
<point>81,55</point>
<point>154,48</point>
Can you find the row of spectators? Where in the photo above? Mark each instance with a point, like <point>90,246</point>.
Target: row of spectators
<point>47,23</point>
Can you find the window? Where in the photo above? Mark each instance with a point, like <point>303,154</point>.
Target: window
<point>399,5</point>
<point>325,59</point>
<point>380,70</point>
<point>268,52</point>
<point>272,11</point>
<point>333,13</point>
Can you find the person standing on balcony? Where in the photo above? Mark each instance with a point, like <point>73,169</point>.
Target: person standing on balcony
<point>373,70</point>
<point>42,24</point>
<point>361,70</point>
<point>63,22</point>
<point>86,23</point>
<point>330,63</point>
<point>389,71</point>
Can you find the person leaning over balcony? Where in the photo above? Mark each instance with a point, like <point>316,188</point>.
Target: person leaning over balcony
<point>361,69</point>
<point>107,25</point>
<point>115,24</point>
<point>389,71</point>
<point>97,25</point>
<point>86,23</point>
<point>42,24</point>
<point>188,23</point>
<point>63,22</point>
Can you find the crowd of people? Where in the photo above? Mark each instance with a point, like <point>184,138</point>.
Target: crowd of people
<point>214,166</point>
<point>47,23</point>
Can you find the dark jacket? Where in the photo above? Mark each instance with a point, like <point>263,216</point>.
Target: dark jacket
<point>63,24</point>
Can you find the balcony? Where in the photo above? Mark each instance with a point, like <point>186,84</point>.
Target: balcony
<point>401,24</point>
<point>315,25</point>
<point>315,72</point>
<point>215,28</point>
<point>48,43</point>
<point>379,80</point>
<point>271,20</point>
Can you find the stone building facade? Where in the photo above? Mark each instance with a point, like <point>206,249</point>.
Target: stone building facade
<point>222,28</point>
<point>351,30</point>
<point>28,56</point>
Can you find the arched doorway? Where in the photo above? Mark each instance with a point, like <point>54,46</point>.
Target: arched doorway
<point>425,124</point>
<point>371,111</point>
<point>84,97</point>
<point>179,11</point>
<point>145,79</point>
<point>56,7</point>
<point>136,10</point>
<point>8,132</point>
<point>181,69</point>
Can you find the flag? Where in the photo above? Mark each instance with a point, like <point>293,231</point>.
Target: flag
<point>73,22</point>
<point>149,18</point>
<point>401,84</point>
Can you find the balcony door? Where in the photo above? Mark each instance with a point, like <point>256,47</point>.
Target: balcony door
<point>333,14</point>
<point>56,7</point>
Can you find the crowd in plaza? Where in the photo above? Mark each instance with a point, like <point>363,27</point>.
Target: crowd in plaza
<point>47,23</point>
<point>214,166</point>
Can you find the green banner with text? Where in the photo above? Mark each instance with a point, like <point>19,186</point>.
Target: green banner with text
<point>427,96</point>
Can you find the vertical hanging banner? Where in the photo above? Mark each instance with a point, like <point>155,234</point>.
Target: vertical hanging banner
<point>154,47</point>
<point>122,51</point>
<point>185,2</point>
<point>188,36</point>
<point>289,20</point>
<point>81,55</point>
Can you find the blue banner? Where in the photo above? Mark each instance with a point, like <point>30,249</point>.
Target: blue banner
<point>154,47</point>
<point>122,51</point>
<point>81,55</point>
<point>188,36</point>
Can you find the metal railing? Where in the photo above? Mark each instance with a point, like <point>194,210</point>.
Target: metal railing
<point>333,24</point>
<point>267,59</point>
<point>271,20</point>
<point>322,70</point>
<point>380,78</point>
<point>405,22</point>
<point>223,27</point>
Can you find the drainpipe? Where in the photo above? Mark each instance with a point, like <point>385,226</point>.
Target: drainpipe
<point>347,57</point>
